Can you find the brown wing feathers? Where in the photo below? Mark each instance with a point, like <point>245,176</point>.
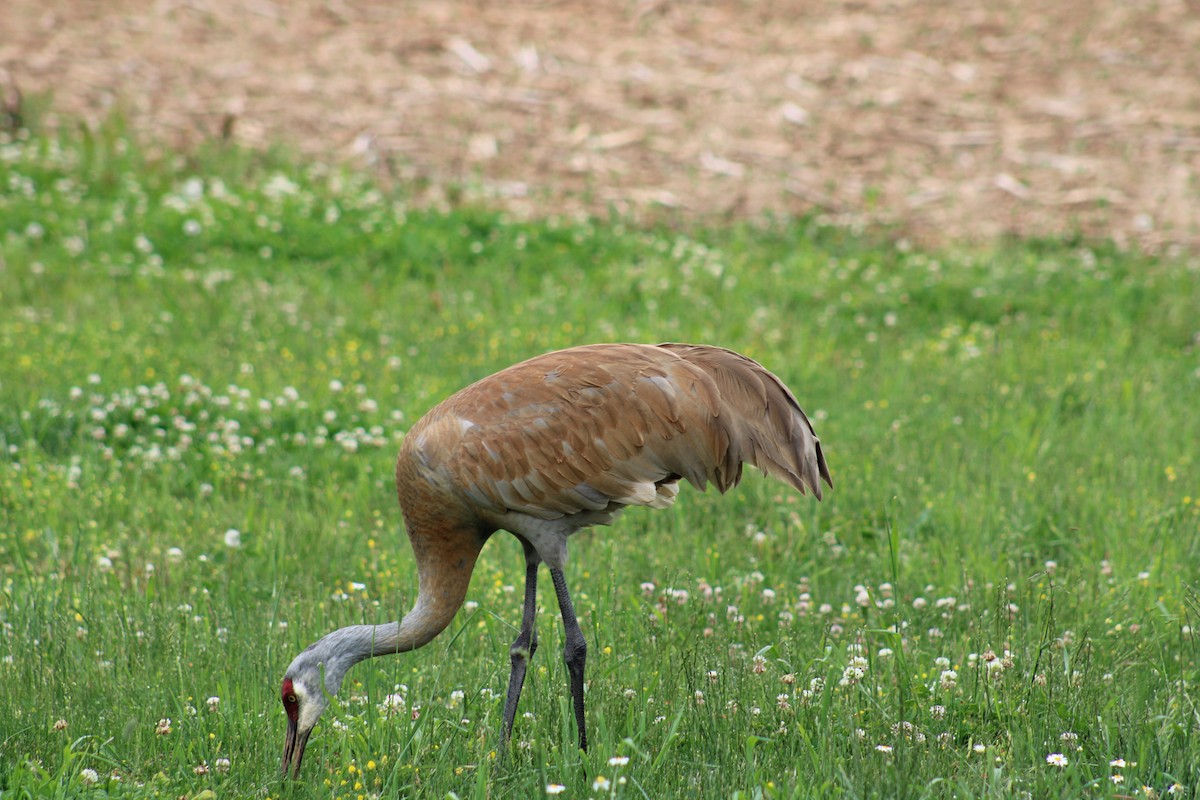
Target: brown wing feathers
<point>581,429</point>
<point>767,425</point>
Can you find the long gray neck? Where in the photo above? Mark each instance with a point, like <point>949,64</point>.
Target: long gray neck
<point>345,647</point>
<point>337,652</point>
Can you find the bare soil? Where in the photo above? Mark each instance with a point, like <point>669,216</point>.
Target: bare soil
<point>945,120</point>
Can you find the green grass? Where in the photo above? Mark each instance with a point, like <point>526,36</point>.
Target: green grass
<point>224,340</point>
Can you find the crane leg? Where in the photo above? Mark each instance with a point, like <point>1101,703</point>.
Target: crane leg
<point>524,646</point>
<point>575,652</point>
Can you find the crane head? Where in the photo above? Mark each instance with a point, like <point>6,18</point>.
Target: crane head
<point>303,702</point>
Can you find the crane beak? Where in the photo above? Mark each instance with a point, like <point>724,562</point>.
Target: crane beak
<point>293,749</point>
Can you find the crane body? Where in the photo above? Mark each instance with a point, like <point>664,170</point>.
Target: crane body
<point>546,448</point>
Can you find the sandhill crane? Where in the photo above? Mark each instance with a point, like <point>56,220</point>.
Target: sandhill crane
<point>542,449</point>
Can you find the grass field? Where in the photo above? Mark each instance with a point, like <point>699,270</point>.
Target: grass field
<point>209,361</point>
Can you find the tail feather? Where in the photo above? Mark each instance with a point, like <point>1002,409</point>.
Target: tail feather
<point>762,421</point>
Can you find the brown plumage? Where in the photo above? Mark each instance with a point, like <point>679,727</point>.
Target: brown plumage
<point>547,447</point>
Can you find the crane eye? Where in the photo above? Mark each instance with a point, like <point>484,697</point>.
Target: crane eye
<point>289,699</point>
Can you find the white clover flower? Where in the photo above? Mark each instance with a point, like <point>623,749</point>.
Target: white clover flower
<point>213,703</point>
<point>279,185</point>
<point>233,538</point>
<point>391,704</point>
<point>89,776</point>
<point>222,765</point>
<point>852,675</point>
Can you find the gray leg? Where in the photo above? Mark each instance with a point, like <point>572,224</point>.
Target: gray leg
<point>575,652</point>
<point>525,644</point>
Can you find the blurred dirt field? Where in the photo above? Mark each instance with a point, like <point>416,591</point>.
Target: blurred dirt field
<point>946,121</point>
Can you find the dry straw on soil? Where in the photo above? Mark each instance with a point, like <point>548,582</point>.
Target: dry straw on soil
<point>949,120</point>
